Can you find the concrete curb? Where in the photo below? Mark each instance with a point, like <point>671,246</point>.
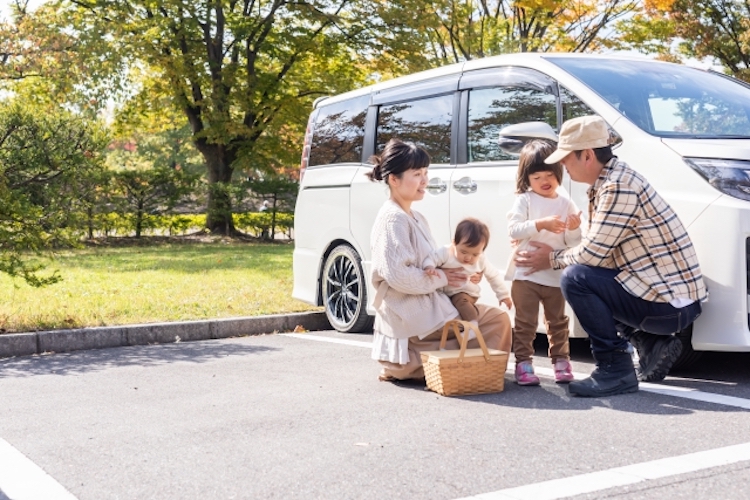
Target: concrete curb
<point>25,344</point>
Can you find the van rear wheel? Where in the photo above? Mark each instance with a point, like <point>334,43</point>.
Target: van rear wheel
<point>344,291</point>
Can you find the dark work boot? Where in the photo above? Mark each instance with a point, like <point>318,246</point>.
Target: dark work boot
<point>614,374</point>
<point>656,354</point>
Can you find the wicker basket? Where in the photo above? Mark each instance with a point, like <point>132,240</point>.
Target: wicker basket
<point>465,371</point>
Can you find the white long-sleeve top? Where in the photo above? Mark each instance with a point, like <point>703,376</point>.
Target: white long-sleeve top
<point>527,208</point>
<point>446,257</point>
<point>408,301</point>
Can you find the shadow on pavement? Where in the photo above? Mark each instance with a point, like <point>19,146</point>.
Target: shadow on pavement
<point>550,396</point>
<point>143,356</point>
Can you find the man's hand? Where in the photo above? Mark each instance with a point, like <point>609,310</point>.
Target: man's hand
<point>574,221</point>
<point>534,260</point>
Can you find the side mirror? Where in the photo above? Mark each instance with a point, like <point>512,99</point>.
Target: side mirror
<point>513,137</point>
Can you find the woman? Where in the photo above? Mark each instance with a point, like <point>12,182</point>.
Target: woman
<point>411,311</point>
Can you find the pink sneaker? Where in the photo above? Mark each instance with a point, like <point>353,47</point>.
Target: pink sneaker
<point>525,374</point>
<point>563,371</point>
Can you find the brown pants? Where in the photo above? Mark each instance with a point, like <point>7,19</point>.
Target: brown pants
<point>526,297</point>
<point>494,325</point>
<point>465,304</point>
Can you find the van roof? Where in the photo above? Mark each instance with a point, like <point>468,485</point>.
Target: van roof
<point>519,59</point>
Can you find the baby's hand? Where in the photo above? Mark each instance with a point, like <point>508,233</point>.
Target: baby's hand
<point>553,224</point>
<point>431,271</point>
<point>508,303</point>
<point>574,221</point>
<point>476,278</point>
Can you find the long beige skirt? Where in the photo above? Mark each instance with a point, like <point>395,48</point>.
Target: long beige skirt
<point>493,323</point>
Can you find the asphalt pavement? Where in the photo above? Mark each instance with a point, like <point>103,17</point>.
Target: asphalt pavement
<point>303,416</point>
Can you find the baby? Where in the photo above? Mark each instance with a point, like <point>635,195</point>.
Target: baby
<point>467,252</point>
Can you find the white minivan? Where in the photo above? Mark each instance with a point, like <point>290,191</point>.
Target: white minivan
<point>686,129</point>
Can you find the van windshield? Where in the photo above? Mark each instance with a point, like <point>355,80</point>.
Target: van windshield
<point>667,100</point>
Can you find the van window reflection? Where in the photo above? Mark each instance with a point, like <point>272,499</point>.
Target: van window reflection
<point>425,122</point>
<point>668,100</point>
<point>339,132</point>
<point>491,109</point>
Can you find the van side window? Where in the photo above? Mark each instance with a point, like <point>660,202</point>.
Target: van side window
<point>491,109</point>
<point>572,106</point>
<point>425,122</point>
<point>339,132</point>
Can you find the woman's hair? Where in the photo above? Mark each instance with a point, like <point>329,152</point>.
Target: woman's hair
<point>397,157</point>
<point>532,159</point>
<point>472,232</point>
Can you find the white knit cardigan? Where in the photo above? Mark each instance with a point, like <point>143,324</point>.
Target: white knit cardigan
<point>407,300</point>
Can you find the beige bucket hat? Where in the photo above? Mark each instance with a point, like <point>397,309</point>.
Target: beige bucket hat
<point>577,134</point>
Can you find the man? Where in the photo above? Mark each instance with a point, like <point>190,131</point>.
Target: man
<point>635,271</point>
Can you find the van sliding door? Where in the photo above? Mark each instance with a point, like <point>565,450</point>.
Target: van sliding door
<point>483,184</point>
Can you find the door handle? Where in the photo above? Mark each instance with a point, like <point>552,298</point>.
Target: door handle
<point>436,186</point>
<point>465,185</point>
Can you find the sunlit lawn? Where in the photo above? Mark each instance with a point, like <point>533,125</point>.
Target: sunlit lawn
<point>172,282</point>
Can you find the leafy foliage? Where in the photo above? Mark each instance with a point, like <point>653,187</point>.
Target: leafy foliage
<point>453,31</point>
<point>243,75</point>
<point>151,192</point>
<point>280,191</point>
<point>700,29</point>
<point>49,165</point>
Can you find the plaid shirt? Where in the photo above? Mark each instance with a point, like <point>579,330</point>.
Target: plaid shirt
<point>634,230</point>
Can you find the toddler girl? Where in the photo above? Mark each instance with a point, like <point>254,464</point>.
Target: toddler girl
<point>541,214</point>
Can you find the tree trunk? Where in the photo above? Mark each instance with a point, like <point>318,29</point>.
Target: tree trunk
<point>219,164</point>
<point>139,220</point>
<point>90,221</point>
<point>273,218</point>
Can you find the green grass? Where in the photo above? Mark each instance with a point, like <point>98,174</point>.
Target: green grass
<point>147,284</point>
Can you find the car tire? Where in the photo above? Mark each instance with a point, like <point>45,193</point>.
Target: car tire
<point>344,291</point>
<point>688,357</point>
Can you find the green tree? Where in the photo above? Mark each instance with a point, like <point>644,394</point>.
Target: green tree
<point>46,62</point>
<point>449,31</point>
<point>242,73</point>
<point>151,191</point>
<point>49,162</point>
<point>700,29</point>
<point>279,190</point>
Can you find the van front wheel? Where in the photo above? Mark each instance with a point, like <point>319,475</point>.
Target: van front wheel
<point>344,291</point>
<point>688,357</point>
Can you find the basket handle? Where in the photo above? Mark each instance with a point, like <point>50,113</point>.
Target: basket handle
<point>463,338</point>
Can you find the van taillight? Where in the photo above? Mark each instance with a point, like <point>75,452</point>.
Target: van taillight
<point>306,150</point>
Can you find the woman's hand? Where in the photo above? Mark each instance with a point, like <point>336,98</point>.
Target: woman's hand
<point>431,271</point>
<point>456,276</point>
<point>476,278</point>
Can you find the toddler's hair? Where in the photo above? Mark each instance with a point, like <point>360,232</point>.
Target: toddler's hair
<point>472,232</point>
<point>397,157</point>
<point>532,159</point>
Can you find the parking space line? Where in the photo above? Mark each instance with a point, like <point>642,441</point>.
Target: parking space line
<point>665,390</point>
<point>622,476</point>
<point>305,336</point>
<point>22,479</point>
